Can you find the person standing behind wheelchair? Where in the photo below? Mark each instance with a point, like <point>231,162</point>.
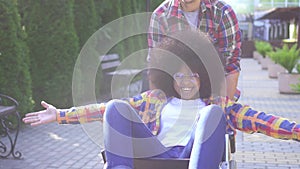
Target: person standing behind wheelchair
<point>179,119</point>
<point>214,17</point>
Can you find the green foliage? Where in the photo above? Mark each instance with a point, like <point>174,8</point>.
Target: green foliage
<point>154,4</point>
<point>53,47</point>
<point>298,67</point>
<point>274,55</point>
<point>263,47</point>
<point>289,57</point>
<point>105,11</point>
<point>46,64</point>
<point>15,79</point>
<point>296,87</point>
<point>85,21</point>
<point>120,9</point>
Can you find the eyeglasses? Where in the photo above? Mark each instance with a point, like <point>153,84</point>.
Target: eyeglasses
<point>181,76</point>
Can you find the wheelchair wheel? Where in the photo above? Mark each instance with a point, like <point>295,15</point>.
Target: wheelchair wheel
<point>232,164</point>
<point>228,165</point>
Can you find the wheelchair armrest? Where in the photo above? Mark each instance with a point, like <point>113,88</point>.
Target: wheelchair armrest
<point>232,142</point>
<point>103,155</point>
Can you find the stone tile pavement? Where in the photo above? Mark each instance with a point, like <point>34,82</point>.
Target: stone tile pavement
<point>55,146</point>
<point>257,151</point>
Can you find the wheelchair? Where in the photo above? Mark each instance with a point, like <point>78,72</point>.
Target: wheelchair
<point>228,161</point>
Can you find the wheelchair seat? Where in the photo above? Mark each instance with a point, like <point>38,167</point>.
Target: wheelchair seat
<point>161,163</point>
<point>175,163</point>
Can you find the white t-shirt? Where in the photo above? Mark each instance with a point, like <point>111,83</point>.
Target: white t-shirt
<point>178,119</point>
<point>192,18</point>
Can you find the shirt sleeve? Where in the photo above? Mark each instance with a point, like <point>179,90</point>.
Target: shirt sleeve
<point>248,120</point>
<point>94,112</point>
<point>154,31</point>
<point>81,114</point>
<point>229,38</point>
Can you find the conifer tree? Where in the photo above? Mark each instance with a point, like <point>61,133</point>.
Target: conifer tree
<point>86,20</point>
<point>15,79</point>
<point>53,47</point>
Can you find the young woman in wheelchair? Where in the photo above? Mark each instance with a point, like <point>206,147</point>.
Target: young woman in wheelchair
<point>183,118</point>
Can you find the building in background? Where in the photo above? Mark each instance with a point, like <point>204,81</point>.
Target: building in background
<point>274,29</point>
<point>249,12</point>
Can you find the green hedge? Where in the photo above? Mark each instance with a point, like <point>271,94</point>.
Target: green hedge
<point>53,44</point>
<point>54,31</point>
<point>85,21</point>
<point>15,79</point>
<point>112,10</point>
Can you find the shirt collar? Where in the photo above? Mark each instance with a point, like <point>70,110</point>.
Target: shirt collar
<point>175,3</point>
<point>207,3</point>
<point>203,5</point>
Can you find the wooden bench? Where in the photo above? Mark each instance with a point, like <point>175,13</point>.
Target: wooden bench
<point>115,77</point>
<point>8,117</point>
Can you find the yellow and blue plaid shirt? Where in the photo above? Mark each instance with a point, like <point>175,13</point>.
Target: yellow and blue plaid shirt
<point>150,104</point>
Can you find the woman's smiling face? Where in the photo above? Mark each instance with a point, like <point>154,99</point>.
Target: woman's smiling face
<point>186,83</point>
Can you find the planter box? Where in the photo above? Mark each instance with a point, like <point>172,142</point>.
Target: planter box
<point>259,58</point>
<point>247,48</point>
<point>285,80</point>
<point>275,69</point>
<point>265,62</point>
<point>256,55</point>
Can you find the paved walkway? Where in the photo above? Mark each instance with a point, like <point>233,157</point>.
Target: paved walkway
<point>55,146</point>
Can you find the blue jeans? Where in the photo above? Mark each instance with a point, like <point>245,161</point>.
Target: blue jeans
<point>127,137</point>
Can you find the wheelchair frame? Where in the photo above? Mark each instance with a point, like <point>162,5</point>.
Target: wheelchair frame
<point>228,161</point>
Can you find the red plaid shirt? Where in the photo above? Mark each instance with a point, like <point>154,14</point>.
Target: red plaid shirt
<point>215,18</point>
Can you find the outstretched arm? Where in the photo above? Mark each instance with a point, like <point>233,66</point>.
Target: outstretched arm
<point>41,117</point>
<point>74,115</point>
<point>82,114</point>
<point>248,120</point>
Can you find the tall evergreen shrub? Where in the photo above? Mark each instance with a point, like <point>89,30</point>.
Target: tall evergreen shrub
<point>53,47</point>
<point>15,79</point>
<point>110,11</point>
<point>154,4</point>
<point>86,20</point>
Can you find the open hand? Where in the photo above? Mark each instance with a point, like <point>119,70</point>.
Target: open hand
<point>41,117</point>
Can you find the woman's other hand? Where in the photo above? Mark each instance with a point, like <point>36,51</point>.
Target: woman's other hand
<point>41,117</point>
